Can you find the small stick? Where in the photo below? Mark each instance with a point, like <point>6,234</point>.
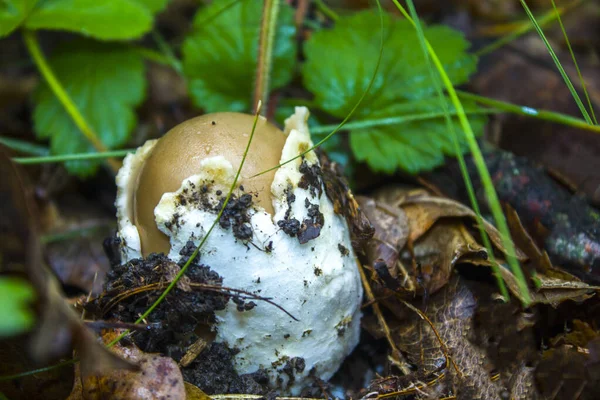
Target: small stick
<point>398,359</point>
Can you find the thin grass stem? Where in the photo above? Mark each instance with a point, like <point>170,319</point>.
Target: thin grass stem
<point>72,157</point>
<point>61,94</point>
<point>457,149</point>
<point>545,115</point>
<point>326,10</point>
<point>492,197</point>
<point>564,75</point>
<point>167,52</point>
<point>402,119</point>
<point>268,30</point>
<point>152,55</point>
<point>527,27</point>
<point>23,146</point>
<point>581,80</point>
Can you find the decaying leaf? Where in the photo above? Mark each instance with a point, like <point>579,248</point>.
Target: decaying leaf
<point>553,284</point>
<point>571,369</point>
<point>440,249</point>
<point>157,378</point>
<point>446,353</point>
<point>54,384</point>
<point>419,238</point>
<point>423,210</point>
<point>391,234</point>
<point>59,329</point>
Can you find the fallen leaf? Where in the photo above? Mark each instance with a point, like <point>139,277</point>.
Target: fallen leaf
<point>424,210</point>
<point>391,234</point>
<point>448,349</point>
<point>553,284</point>
<point>59,329</point>
<point>438,251</point>
<point>157,378</point>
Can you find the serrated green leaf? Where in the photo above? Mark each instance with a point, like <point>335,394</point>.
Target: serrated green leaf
<point>16,313</point>
<point>220,55</point>
<point>100,19</point>
<point>106,82</point>
<point>413,146</point>
<point>13,13</point>
<point>340,63</point>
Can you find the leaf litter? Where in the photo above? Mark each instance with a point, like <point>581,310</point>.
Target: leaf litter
<point>426,267</point>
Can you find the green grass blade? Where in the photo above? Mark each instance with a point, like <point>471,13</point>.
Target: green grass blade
<point>326,10</point>
<point>581,80</point>
<point>527,27</point>
<point>168,52</point>
<point>34,49</point>
<point>457,149</point>
<point>545,115</point>
<point>401,119</point>
<point>484,174</point>
<point>562,71</point>
<point>23,146</point>
<point>72,157</point>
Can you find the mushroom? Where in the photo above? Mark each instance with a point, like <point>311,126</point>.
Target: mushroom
<point>279,238</point>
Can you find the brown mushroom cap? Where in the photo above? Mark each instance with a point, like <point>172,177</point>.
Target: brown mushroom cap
<point>177,155</point>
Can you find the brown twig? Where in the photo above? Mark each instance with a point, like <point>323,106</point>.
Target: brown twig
<point>399,358</point>
<point>443,346</point>
<point>198,286</point>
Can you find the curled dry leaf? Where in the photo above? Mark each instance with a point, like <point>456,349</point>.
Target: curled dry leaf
<point>438,251</point>
<point>424,209</point>
<point>391,233</point>
<point>59,329</point>
<point>157,378</point>
<point>419,238</point>
<point>553,284</point>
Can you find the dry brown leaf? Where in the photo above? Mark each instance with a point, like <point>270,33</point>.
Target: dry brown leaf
<point>553,284</point>
<point>440,249</point>
<point>59,329</point>
<point>55,384</point>
<point>158,377</point>
<point>451,312</point>
<point>391,233</point>
<point>423,210</point>
<point>567,372</point>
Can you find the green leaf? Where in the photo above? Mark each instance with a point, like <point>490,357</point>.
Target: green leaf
<point>413,146</point>
<point>106,82</point>
<point>16,313</point>
<point>220,55</point>
<point>340,63</point>
<point>154,5</point>
<point>100,19</point>
<point>13,13</point>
